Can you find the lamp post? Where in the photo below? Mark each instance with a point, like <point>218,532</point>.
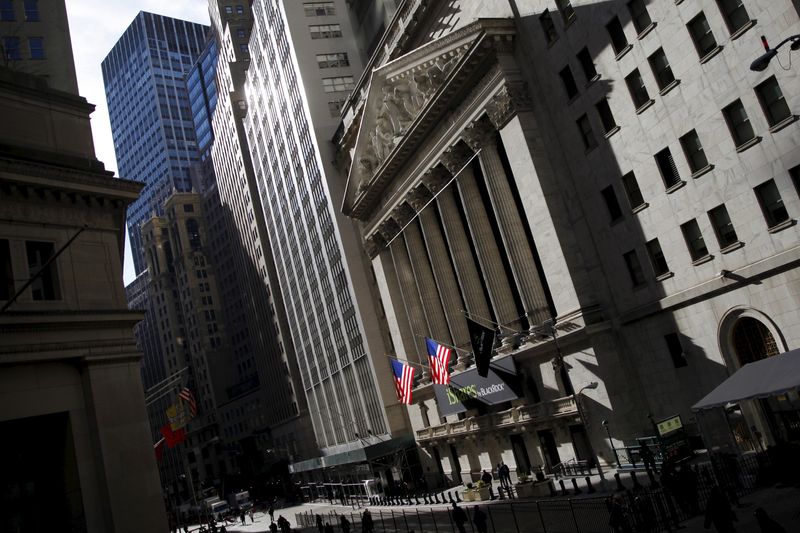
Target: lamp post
<point>591,386</point>
<point>611,442</point>
<point>763,60</point>
<point>191,485</point>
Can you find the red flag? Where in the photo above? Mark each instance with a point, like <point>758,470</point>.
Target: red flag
<point>173,438</point>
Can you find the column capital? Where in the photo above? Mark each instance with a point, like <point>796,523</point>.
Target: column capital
<point>479,134</point>
<point>455,157</point>
<point>435,179</point>
<point>509,100</point>
<point>403,214</point>
<point>374,244</point>
<point>418,197</point>
<point>388,229</point>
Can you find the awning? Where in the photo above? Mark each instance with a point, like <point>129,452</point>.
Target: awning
<point>358,455</point>
<point>761,379</point>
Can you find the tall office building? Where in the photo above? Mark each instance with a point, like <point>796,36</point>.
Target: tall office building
<point>635,183</point>
<point>304,61</point>
<point>151,119</point>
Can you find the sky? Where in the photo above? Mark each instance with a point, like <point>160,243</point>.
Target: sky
<point>95,26</point>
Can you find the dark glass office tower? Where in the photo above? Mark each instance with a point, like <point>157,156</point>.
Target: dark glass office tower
<point>151,119</point>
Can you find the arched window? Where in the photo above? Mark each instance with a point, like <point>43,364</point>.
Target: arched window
<point>193,232</point>
<point>752,341</point>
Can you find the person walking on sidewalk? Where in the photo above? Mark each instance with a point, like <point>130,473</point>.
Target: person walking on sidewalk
<point>479,519</point>
<point>459,518</point>
<point>366,522</point>
<point>719,513</point>
<point>487,480</point>
<point>345,524</point>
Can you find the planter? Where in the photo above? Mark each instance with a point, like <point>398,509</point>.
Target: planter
<point>466,495</point>
<point>530,489</point>
<point>481,494</point>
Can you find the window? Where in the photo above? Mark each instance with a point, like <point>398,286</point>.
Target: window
<point>794,173</point>
<point>548,28</point>
<point>666,165</point>
<point>567,11</point>
<point>335,107</point>
<point>339,83</point>
<point>319,9</point>
<point>229,10</point>
<point>6,271</point>
<point>634,268</point>
<point>734,13</point>
<point>657,259</point>
<point>605,115</point>
<point>240,10</point>
<point>11,45</point>
<point>243,48</point>
<point>695,155</point>
<point>45,286</point>
<point>32,10</point>
<point>701,34</point>
<point>772,101</point>
<point>637,89</point>
<point>639,15</point>
<point>694,240</point>
<point>723,228</point>
<point>587,135</point>
<point>632,190</point>
<point>333,60</point>
<point>241,33</point>
<point>36,46</point>
<point>325,31</point>
<point>738,123</point>
<point>661,69</point>
<point>7,11</point>
<point>612,204</point>
<point>569,82</point>
<point>587,65</point>
<point>771,203</point>
<point>188,208</point>
<point>618,40</point>
<point>676,350</point>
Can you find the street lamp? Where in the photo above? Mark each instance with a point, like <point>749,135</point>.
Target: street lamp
<point>763,60</point>
<point>604,423</point>
<point>591,386</point>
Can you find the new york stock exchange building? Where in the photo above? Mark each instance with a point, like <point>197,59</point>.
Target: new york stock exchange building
<point>573,177</point>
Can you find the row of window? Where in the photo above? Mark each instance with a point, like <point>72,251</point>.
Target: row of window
<point>13,48</point>
<point>38,253</point>
<point>319,9</point>
<point>325,31</point>
<point>31,8</point>
<point>335,60</point>
<point>239,10</point>
<point>338,84</point>
<point>769,199</point>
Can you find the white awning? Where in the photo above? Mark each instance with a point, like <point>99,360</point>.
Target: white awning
<point>761,379</point>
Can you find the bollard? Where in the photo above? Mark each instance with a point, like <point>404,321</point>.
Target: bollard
<point>425,499</point>
<point>563,488</point>
<point>635,481</point>
<point>437,498</point>
<point>552,490</point>
<point>458,497</point>
<point>450,497</point>
<point>620,486</point>
<point>500,493</point>
<point>589,488</point>
<point>416,498</point>
<point>575,487</point>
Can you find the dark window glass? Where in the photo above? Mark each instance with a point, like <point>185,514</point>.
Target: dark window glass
<point>701,34</point>
<point>229,10</point>
<point>188,208</point>
<point>657,259</point>
<point>548,28</point>
<point>637,89</point>
<point>771,203</point>
<point>45,285</point>
<point>734,13</point>
<point>240,10</point>
<point>738,123</point>
<point>36,45</point>
<point>794,173</point>
<point>694,240</point>
<point>723,227</point>
<point>634,268</point>
<point>569,82</point>
<point>676,350</point>
<point>319,9</point>
<point>666,165</point>
<point>632,190</point>
<point>694,152</point>
<point>567,11</point>
<point>241,33</point>
<point>587,135</point>
<point>7,11</point>
<point>587,65</point>
<point>6,272</point>
<point>617,34</point>
<point>772,101</point>
<point>32,10</point>
<point>661,69</point>
<point>612,204</point>
<point>606,117</point>
<point>639,15</point>
<point>11,46</point>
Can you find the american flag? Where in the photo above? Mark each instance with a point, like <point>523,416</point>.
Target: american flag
<point>403,380</point>
<point>186,396</point>
<point>439,357</point>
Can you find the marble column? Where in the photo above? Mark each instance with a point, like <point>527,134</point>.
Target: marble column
<point>439,256</point>
<point>494,274</point>
<point>482,135</point>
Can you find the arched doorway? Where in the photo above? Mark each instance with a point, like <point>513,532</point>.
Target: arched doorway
<point>752,341</point>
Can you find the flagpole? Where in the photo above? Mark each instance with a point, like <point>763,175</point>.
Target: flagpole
<point>504,326</point>
<point>409,363</point>
<point>443,343</point>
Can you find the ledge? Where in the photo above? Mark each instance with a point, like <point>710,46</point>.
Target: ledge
<point>665,275</point>
<point>672,188</point>
<point>640,207</point>
<point>738,33</point>
<point>705,170</point>
<point>648,29</point>
<point>611,132</point>
<point>775,128</point>
<point>668,87</point>
<point>782,226</point>
<point>678,2</point>
<point>706,58</point>
<point>731,247</point>
<point>752,142</point>
<point>642,108</point>
<point>624,51</point>
<point>592,80</point>
<point>705,259</point>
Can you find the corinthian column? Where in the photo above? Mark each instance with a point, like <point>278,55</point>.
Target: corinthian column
<point>505,311</point>
<point>442,269</point>
<point>482,136</point>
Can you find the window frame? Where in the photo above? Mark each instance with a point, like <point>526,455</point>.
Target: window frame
<point>40,49</point>
<point>627,185</point>
<point>723,227</point>
<point>48,282</point>
<point>332,60</point>
<point>698,39</point>
<point>606,116</point>
<point>31,8</point>
<point>589,68</point>
<point>659,70</point>
<point>634,268</point>
<point>639,90</point>
<point>548,27</point>
<point>319,9</point>
<point>658,261</point>
<point>692,234</point>
<point>675,349</point>
<point>727,11</point>
<point>691,155</point>
<point>586,132</point>
<point>7,13</point>
<point>665,162</point>
<point>16,49</point>
<point>618,31</point>
<point>332,31</point>
<point>638,15</point>
<point>568,82</point>
<point>734,126</point>
<point>767,205</point>
<point>612,204</point>
<point>767,106</point>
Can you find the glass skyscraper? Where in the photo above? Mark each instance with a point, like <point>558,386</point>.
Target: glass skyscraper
<point>151,117</point>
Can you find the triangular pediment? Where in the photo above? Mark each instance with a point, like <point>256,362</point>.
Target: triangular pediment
<point>400,107</point>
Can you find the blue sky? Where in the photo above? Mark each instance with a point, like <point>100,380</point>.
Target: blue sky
<point>95,25</point>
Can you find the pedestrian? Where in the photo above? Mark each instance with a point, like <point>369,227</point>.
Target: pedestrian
<point>487,480</point>
<point>242,517</point>
<point>271,512</point>
<point>253,520</point>
<point>320,527</point>
<point>273,528</point>
<point>499,473</point>
<point>222,529</point>
<point>719,512</point>
<point>479,519</point>
<point>459,518</point>
<point>283,524</point>
<point>344,523</point>
<point>767,524</point>
<point>328,527</point>
<point>366,522</point>
<point>648,459</point>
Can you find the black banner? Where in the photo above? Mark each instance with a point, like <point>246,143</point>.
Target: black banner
<point>482,339</point>
<point>468,389</point>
